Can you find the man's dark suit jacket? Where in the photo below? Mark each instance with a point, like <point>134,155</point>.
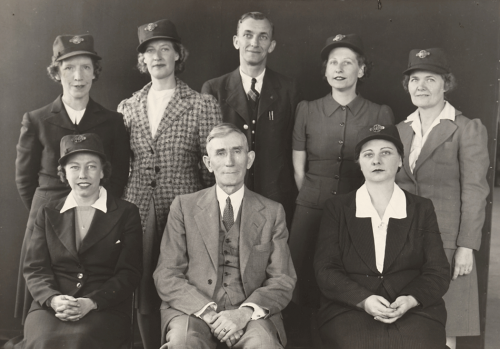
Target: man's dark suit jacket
<point>415,263</point>
<point>272,169</point>
<point>107,267</point>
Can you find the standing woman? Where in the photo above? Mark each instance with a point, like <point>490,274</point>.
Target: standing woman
<point>75,65</point>
<point>447,163</point>
<point>324,138</point>
<point>168,124</point>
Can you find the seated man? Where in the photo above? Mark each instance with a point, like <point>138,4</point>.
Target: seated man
<point>225,271</point>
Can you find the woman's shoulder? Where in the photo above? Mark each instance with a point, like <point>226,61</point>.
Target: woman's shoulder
<point>383,112</point>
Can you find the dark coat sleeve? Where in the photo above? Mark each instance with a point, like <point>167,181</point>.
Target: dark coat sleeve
<point>120,159</point>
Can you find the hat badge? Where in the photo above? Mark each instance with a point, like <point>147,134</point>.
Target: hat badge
<point>423,54</point>
<point>76,40</point>
<point>338,37</point>
<point>151,26</point>
<point>377,128</point>
<point>79,139</point>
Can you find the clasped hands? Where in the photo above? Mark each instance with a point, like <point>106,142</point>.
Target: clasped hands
<point>384,311</point>
<point>68,308</point>
<point>228,325</point>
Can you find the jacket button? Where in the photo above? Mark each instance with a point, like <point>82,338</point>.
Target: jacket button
<point>342,124</point>
<point>209,281</point>
<point>228,240</point>
<point>153,183</point>
<point>336,177</point>
<point>253,121</point>
<point>227,262</point>
<point>343,108</point>
<point>157,169</point>
<point>334,192</point>
<point>80,276</point>
<point>245,127</point>
<point>225,285</point>
<point>339,158</point>
<point>78,285</point>
<point>341,142</point>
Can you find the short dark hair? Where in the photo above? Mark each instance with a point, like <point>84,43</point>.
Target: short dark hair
<point>450,82</point>
<point>362,61</point>
<point>106,170</point>
<point>222,130</point>
<point>53,68</point>
<point>179,64</point>
<point>257,16</point>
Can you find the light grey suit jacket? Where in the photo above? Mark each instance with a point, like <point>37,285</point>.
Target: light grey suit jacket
<point>186,274</point>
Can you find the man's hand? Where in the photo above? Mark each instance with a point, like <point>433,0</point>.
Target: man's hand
<point>401,305</point>
<point>209,316</point>
<point>229,322</point>
<point>234,338</point>
<point>376,306</point>
<point>463,261</point>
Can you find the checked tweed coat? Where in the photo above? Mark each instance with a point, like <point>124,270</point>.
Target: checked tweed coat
<point>169,164</point>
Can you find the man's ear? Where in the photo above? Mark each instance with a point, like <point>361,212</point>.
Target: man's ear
<point>250,159</point>
<point>206,161</point>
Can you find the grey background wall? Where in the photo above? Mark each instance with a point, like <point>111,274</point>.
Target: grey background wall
<point>468,30</point>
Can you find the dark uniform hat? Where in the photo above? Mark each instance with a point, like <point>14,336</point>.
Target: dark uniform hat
<point>162,29</point>
<point>66,46</point>
<point>389,133</point>
<point>84,143</point>
<point>352,41</point>
<point>431,59</point>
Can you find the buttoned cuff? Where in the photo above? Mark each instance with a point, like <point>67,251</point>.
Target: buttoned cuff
<point>258,312</point>
<point>202,310</point>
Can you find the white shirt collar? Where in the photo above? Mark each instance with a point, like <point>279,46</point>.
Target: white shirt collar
<point>448,113</point>
<point>247,81</point>
<point>75,115</point>
<point>395,209</point>
<point>100,203</point>
<point>236,199</point>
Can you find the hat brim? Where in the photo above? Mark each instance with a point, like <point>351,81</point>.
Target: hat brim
<point>77,53</point>
<point>325,52</point>
<point>395,141</point>
<point>141,47</point>
<point>427,67</point>
<point>63,158</point>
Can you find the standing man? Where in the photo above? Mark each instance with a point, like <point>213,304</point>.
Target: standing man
<point>225,271</point>
<point>261,103</point>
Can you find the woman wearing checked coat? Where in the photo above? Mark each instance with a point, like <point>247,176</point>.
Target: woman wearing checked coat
<point>168,124</point>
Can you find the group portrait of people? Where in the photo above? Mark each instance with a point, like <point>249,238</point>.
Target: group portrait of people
<point>219,218</point>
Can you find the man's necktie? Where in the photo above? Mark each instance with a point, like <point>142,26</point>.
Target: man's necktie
<point>253,94</point>
<point>228,216</point>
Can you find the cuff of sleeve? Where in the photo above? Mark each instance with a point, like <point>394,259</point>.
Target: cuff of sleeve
<point>258,312</point>
<point>202,310</point>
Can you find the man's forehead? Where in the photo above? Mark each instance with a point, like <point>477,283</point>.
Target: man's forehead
<point>256,25</point>
<point>230,141</point>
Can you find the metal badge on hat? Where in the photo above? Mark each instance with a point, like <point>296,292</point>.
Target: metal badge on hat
<point>423,54</point>
<point>338,37</point>
<point>377,128</point>
<point>79,138</point>
<point>76,40</point>
<point>150,27</point>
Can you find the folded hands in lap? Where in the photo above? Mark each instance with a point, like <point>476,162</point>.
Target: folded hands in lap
<point>68,308</point>
<point>228,326</point>
<point>384,311</point>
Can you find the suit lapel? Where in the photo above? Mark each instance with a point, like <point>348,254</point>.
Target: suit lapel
<point>268,94</point>
<point>406,133</point>
<point>438,135</point>
<point>251,225</point>
<point>101,225</point>
<point>177,106</point>
<point>207,220</point>
<point>92,117</point>
<point>236,96</point>
<point>361,233</point>
<point>59,117</point>
<point>397,233</point>
<point>64,227</point>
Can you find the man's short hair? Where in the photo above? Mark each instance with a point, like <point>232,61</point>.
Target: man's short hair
<point>224,129</point>
<point>257,16</point>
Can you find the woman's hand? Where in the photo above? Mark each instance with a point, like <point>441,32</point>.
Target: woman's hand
<point>68,308</point>
<point>463,261</point>
<point>376,306</point>
<point>400,306</point>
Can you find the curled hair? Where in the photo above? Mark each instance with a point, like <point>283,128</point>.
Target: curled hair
<point>180,49</point>
<point>257,16</point>
<point>222,130</point>
<point>450,82</point>
<point>53,68</point>
<point>106,170</point>
<point>362,62</point>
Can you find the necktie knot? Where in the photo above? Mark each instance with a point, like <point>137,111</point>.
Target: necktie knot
<point>228,216</point>
<point>253,94</point>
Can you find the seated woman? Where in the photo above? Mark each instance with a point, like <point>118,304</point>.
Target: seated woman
<point>380,263</point>
<point>84,258</point>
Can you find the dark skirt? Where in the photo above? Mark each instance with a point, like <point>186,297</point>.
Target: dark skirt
<point>97,330</point>
<point>302,243</point>
<point>51,189</point>
<point>358,330</point>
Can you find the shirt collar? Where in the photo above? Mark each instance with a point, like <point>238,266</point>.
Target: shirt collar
<point>247,80</point>
<point>100,203</point>
<point>331,105</point>
<point>236,198</point>
<point>448,113</point>
<point>395,209</point>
